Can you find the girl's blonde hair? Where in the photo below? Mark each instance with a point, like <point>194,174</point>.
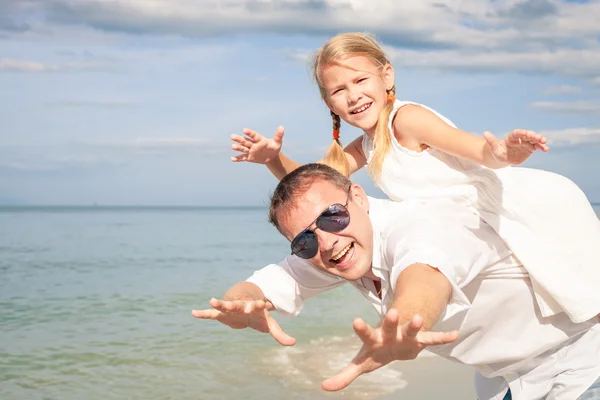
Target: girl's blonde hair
<point>342,46</point>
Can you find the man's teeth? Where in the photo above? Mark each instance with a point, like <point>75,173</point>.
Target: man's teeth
<point>342,253</point>
<point>363,108</point>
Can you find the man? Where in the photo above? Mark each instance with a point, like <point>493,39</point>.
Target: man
<point>437,274</point>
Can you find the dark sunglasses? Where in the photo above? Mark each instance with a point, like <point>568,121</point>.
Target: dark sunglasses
<point>335,218</point>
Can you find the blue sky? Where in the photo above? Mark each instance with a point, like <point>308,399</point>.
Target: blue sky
<point>133,101</point>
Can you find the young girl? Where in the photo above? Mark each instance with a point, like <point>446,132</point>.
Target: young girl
<point>411,150</point>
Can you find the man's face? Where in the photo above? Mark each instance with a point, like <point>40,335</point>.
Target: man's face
<point>348,253</point>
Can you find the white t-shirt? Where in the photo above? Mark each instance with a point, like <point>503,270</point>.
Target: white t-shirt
<point>502,333</point>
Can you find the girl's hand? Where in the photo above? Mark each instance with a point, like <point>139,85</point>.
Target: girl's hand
<point>517,147</point>
<point>256,148</point>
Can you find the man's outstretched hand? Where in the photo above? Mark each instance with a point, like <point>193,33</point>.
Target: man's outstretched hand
<point>239,314</point>
<point>387,343</point>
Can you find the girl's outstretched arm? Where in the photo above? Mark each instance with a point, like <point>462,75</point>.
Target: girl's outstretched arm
<point>282,165</point>
<point>261,150</point>
<point>416,124</point>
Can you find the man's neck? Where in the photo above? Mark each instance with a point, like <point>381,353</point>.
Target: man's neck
<point>371,275</point>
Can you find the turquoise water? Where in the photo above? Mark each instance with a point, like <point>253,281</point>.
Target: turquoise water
<point>95,304</point>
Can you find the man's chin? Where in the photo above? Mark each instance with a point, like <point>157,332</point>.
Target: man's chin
<point>351,274</point>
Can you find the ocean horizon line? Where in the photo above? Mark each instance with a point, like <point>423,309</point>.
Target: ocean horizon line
<point>124,207</point>
<point>143,206</point>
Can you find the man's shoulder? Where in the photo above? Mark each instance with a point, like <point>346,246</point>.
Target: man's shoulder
<point>412,216</point>
<point>410,208</point>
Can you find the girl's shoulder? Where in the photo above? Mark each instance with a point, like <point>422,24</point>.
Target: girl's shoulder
<point>409,114</point>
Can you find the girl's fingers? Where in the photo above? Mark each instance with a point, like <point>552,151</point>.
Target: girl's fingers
<point>253,135</point>
<point>240,148</point>
<point>240,158</point>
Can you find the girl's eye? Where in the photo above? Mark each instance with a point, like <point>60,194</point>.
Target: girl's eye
<point>362,79</point>
<point>336,91</point>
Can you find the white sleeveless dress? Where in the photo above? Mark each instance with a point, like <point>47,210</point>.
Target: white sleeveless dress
<point>544,218</point>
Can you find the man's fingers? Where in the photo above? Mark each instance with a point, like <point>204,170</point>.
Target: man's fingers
<point>412,327</point>
<point>278,334</point>
<point>215,303</point>
<point>436,338</point>
<point>228,306</point>
<point>235,306</point>
<point>366,333</point>
<point>254,306</point>
<point>343,378</point>
<point>239,306</point>
<point>223,306</point>
<point>206,314</point>
<point>259,305</point>
<point>389,327</point>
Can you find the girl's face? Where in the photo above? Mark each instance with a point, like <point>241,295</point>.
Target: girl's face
<point>356,90</point>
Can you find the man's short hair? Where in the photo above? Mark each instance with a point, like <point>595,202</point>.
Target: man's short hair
<point>298,182</point>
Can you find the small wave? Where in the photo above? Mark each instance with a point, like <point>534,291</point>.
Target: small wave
<point>305,366</point>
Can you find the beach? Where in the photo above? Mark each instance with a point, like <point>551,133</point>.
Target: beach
<point>96,304</point>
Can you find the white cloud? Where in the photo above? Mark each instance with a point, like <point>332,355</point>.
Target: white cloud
<point>159,146</point>
<point>570,62</point>
<point>166,142</point>
<point>301,55</point>
<point>54,157</point>
<point>572,136</point>
<point>562,89</point>
<point>105,104</point>
<point>10,65</point>
<point>574,107</point>
<point>72,155</point>
<point>531,36</point>
<point>25,66</point>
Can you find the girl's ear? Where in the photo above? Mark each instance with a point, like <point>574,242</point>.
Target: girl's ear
<point>388,76</point>
<point>328,104</point>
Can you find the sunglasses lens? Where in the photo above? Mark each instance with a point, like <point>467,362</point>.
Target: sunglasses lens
<point>305,245</point>
<point>336,218</point>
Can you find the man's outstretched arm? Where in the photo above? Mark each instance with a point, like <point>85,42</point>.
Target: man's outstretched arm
<point>421,295</point>
<point>244,306</point>
<point>421,290</point>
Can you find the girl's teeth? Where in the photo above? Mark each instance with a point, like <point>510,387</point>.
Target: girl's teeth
<point>363,108</point>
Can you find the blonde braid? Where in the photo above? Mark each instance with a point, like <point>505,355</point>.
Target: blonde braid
<point>336,157</point>
<point>336,121</point>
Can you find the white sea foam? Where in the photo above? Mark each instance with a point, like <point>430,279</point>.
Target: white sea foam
<point>305,365</point>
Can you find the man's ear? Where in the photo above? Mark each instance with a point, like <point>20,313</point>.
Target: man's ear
<point>359,196</point>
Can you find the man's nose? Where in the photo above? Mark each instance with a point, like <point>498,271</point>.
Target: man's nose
<point>327,240</point>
